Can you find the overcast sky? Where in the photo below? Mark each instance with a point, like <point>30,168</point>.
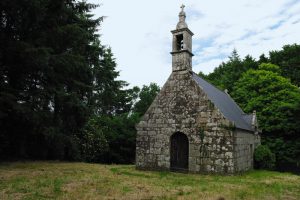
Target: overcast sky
<point>138,31</point>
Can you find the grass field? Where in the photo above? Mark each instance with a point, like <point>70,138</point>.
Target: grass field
<point>56,180</point>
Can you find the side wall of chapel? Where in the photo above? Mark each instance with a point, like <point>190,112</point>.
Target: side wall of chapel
<point>244,144</point>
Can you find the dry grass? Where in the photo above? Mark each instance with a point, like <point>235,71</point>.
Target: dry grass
<point>56,180</point>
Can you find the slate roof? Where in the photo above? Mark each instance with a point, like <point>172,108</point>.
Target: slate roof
<point>225,104</point>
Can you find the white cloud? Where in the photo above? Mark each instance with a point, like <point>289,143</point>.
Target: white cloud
<point>139,32</point>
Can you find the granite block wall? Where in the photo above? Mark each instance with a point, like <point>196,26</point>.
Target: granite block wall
<point>244,144</point>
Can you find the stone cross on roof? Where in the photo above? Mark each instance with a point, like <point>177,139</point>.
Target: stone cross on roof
<point>182,7</point>
<point>181,23</point>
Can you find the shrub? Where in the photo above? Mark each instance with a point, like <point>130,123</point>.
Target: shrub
<point>93,142</point>
<point>264,158</point>
<point>109,139</point>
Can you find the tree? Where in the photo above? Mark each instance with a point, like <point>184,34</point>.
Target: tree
<point>274,98</point>
<point>264,158</point>
<point>229,72</point>
<point>263,59</point>
<point>289,60</point>
<point>93,143</point>
<point>202,75</point>
<point>47,76</point>
<point>287,150</point>
<point>119,135</point>
<point>146,97</point>
<point>109,96</point>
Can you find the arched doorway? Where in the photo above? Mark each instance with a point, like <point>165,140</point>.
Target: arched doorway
<point>179,152</point>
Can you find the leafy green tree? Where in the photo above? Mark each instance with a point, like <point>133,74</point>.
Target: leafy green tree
<point>274,98</point>
<point>146,97</point>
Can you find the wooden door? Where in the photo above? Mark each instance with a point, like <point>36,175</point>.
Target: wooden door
<point>179,152</point>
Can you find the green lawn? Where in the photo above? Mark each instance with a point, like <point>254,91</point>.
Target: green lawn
<point>57,180</point>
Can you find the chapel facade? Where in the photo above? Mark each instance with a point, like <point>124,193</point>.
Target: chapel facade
<point>193,126</point>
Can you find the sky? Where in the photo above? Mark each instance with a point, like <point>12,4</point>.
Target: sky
<point>138,31</point>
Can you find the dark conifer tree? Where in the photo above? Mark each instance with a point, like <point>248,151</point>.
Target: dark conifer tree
<point>289,60</point>
<point>51,66</point>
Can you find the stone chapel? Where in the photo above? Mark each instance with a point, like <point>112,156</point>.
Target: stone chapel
<point>192,126</point>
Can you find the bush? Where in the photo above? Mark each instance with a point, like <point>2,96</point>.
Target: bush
<point>109,139</point>
<point>264,158</point>
<point>120,133</point>
<point>287,152</point>
<point>93,142</point>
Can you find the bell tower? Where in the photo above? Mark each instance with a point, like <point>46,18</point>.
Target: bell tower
<point>182,45</point>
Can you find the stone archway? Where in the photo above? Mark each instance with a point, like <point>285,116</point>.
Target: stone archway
<point>179,152</point>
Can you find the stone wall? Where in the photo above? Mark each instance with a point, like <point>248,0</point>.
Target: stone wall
<point>182,106</point>
<point>244,144</point>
